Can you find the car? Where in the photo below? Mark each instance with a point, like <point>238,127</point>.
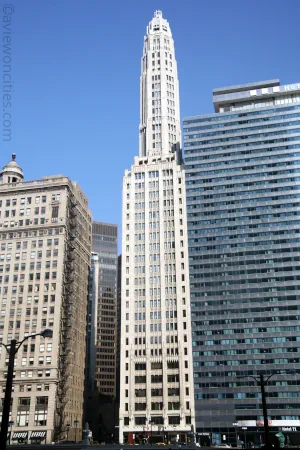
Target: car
<point>66,442</point>
<point>223,446</point>
<point>161,443</point>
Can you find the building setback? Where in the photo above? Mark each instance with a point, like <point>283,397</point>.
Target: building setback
<point>156,379</point>
<point>242,187</point>
<point>45,238</point>
<point>102,334</point>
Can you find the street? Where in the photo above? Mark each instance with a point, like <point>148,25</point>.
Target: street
<point>102,447</point>
<point>112,447</point>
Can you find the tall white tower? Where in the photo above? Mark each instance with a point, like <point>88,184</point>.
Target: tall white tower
<point>157,393</point>
<point>159,115</point>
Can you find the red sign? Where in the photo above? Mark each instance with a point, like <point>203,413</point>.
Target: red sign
<point>260,423</point>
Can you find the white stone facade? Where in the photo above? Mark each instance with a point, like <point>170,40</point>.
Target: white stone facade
<point>157,393</point>
<point>159,91</point>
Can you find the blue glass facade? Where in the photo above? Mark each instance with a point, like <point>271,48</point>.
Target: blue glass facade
<point>243,207</point>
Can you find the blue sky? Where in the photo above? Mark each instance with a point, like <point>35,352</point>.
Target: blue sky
<point>76,68</point>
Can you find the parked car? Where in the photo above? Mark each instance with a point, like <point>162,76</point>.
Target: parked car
<point>66,442</point>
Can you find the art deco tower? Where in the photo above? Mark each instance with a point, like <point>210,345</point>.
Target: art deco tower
<point>156,381</point>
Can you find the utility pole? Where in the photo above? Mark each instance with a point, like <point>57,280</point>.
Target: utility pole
<point>265,412</point>
<point>76,422</point>
<point>68,429</point>
<point>235,425</point>
<point>8,391</point>
<point>262,382</point>
<point>10,423</point>
<point>12,349</point>
<point>245,437</point>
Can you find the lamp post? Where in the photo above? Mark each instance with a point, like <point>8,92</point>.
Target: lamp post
<point>76,422</point>
<point>12,350</point>
<point>262,382</point>
<point>235,425</point>
<point>245,437</point>
<point>67,430</point>
<point>10,423</point>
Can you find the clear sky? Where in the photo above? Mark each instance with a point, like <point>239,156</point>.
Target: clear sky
<point>76,67</point>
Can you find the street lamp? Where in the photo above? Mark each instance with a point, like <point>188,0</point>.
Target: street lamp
<point>262,382</point>
<point>67,430</point>
<point>245,437</point>
<point>10,423</point>
<point>12,350</point>
<point>235,425</point>
<point>76,422</point>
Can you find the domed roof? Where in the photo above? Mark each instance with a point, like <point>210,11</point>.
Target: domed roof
<point>12,171</point>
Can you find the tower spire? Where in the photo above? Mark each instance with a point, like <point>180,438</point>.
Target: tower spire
<point>159,91</point>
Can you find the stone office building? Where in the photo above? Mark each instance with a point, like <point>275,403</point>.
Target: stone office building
<point>45,250</point>
<point>156,377</point>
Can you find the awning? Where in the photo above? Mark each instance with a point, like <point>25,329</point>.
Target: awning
<point>38,434</point>
<point>20,435</point>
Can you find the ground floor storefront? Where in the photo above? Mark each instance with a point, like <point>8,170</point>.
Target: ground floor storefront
<point>158,436</point>
<point>28,437</point>
<point>246,437</point>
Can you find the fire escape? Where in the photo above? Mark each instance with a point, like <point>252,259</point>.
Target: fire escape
<point>68,311</point>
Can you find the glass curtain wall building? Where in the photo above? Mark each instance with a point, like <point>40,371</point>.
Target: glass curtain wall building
<point>243,197</point>
<point>102,333</point>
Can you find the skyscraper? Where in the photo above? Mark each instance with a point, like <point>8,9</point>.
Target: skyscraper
<point>157,398</point>
<point>45,236</point>
<point>102,333</point>
<point>242,184</point>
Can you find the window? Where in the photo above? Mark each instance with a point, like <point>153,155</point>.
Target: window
<point>174,420</point>
<point>23,411</point>
<point>41,411</point>
<point>55,214</point>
